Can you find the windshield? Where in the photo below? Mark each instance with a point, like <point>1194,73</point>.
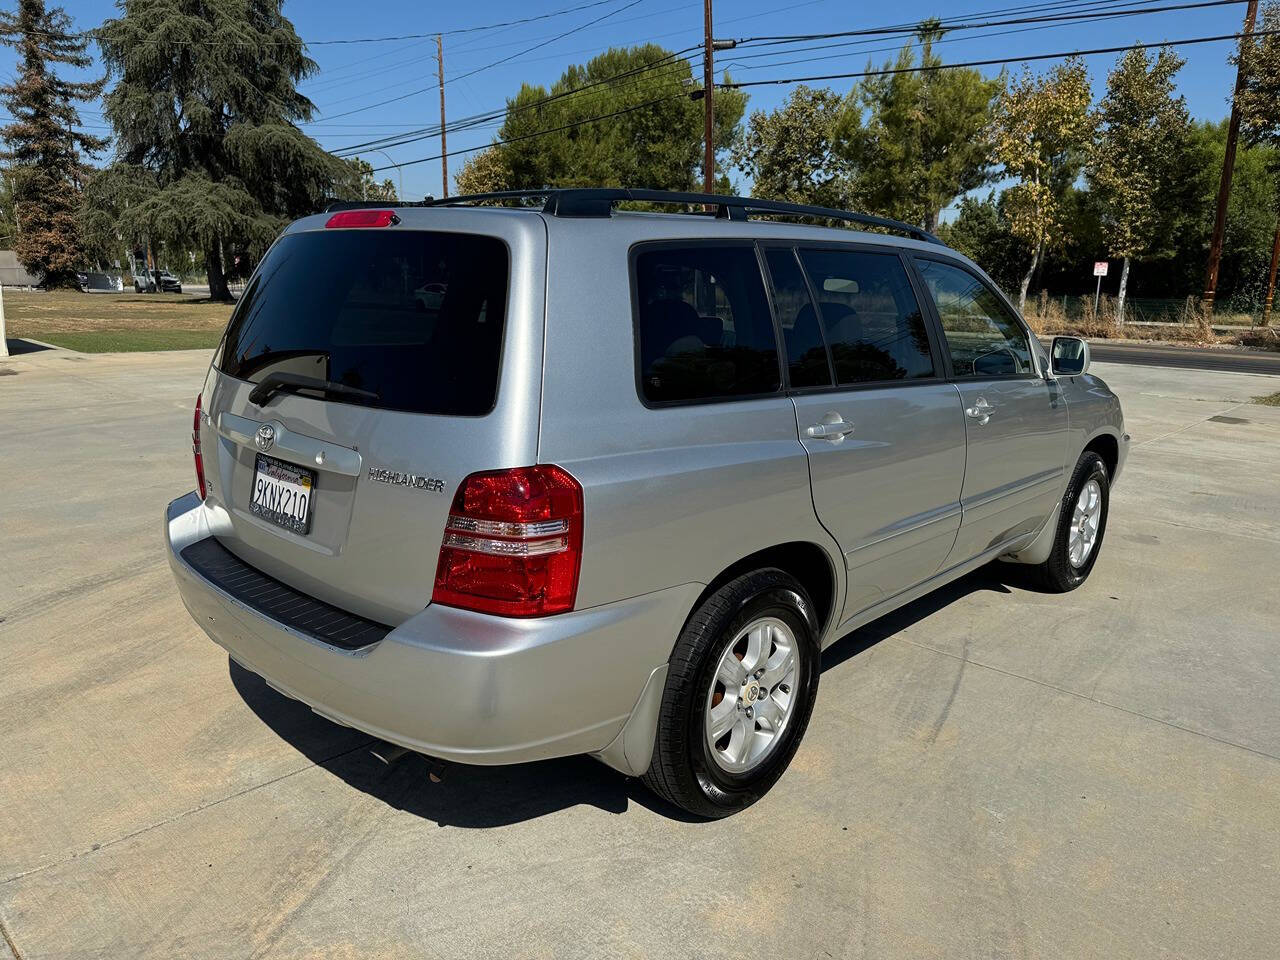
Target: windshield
<point>414,317</point>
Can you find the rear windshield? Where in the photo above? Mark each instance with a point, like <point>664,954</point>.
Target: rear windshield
<point>413,317</point>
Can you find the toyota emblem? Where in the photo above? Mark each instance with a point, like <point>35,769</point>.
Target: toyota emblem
<point>265,437</point>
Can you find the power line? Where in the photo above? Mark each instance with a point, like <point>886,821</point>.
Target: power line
<point>423,133</point>
<point>740,60</point>
<point>475,120</point>
<point>1110,10</point>
<point>1055,20</point>
<point>997,61</point>
<point>414,93</point>
<point>905,28</point>
<point>840,76</point>
<point>949,24</point>
<point>93,34</point>
<point>540,133</point>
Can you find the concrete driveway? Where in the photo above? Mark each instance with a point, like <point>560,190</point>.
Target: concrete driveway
<point>991,772</point>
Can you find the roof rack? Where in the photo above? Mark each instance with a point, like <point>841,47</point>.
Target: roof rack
<point>600,201</point>
<point>334,206</point>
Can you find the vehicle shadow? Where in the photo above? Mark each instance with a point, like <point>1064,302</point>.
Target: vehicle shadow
<point>479,797</point>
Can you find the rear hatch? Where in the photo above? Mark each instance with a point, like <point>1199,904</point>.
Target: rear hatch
<point>364,374</point>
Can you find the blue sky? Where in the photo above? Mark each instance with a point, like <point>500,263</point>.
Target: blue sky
<point>354,76</point>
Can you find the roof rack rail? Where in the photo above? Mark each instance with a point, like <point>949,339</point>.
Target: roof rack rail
<point>600,201</point>
<point>334,206</point>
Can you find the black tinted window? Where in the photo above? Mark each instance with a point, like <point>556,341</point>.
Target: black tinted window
<point>807,364</point>
<point>983,336</point>
<point>872,321</point>
<point>704,325</point>
<point>414,317</point>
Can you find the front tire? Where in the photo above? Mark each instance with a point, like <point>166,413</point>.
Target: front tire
<point>1082,522</point>
<point>740,689</point>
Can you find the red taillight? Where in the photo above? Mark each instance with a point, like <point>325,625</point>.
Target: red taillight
<point>513,543</point>
<point>195,448</point>
<point>363,218</point>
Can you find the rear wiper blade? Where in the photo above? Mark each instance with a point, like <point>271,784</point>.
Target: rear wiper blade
<point>276,382</point>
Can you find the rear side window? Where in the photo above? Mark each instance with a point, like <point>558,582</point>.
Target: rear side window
<point>807,364</point>
<point>984,338</point>
<point>704,327</point>
<point>415,317</point>
<point>873,323</point>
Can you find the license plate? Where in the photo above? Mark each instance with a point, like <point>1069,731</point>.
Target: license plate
<point>282,493</point>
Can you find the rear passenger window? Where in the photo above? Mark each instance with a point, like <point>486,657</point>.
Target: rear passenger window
<point>807,363</point>
<point>705,330</point>
<point>983,336</point>
<point>873,323</point>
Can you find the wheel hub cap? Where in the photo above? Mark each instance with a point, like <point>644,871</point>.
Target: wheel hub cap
<point>752,695</point>
<point>1086,520</point>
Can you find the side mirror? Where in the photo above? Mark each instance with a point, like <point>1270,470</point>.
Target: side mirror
<point>1069,356</point>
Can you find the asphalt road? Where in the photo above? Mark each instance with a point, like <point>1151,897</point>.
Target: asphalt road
<point>990,772</point>
<point>1191,358</point>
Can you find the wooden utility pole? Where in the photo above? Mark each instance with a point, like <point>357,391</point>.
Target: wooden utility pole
<point>1271,278</point>
<point>444,144</point>
<point>708,84</point>
<point>1228,167</point>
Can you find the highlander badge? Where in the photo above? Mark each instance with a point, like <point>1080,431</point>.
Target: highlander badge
<point>396,478</point>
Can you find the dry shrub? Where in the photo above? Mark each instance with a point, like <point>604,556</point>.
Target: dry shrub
<point>1201,320</point>
<point>1045,315</point>
<point>1100,323</point>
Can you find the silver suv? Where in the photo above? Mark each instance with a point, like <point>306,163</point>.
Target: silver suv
<point>617,481</point>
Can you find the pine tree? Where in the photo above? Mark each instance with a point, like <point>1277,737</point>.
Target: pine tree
<point>916,139</point>
<point>44,146</point>
<point>205,109</point>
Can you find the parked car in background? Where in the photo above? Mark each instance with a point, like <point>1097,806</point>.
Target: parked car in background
<point>617,482</point>
<point>161,280</point>
<point>91,282</point>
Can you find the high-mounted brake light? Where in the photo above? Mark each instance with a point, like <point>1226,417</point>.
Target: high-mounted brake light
<point>513,543</point>
<point>195,448</point>
<point>363,218</point>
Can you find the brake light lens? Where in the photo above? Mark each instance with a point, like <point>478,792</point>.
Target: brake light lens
<point>363,218</point>
<point>513,543</point>
<point>195,448</point>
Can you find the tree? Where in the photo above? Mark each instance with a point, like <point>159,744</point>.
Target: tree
<point>1041,128</point>
<point>623,119</point>
<point>981,232</point>
<point>359,183</point>
<point>1141,126</point>
<point>205,108</point>
<point>788,153</point>
<point>483,172</point>
<point>917,140</point>
<point>1259,104</point>
<point>44,146</point>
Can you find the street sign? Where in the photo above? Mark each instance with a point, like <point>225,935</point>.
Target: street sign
<point>1100,268</point>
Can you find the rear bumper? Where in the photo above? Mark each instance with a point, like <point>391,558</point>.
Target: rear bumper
<point>450,683</point>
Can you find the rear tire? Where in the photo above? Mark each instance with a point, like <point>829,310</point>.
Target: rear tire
<point>1082,522</point>
<point>760,628</point>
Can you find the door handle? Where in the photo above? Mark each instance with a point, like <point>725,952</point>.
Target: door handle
<point>834,430</point>
<point>980,411</point>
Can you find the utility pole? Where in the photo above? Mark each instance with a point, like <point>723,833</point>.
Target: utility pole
<point>1271,279</point>
<point>1228,167</point>
<point>708,84</point>
<point>444,146</point>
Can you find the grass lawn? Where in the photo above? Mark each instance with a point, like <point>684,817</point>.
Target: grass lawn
<point>127,341</point>
<point>1271,400</point>
<point>115,322</point>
